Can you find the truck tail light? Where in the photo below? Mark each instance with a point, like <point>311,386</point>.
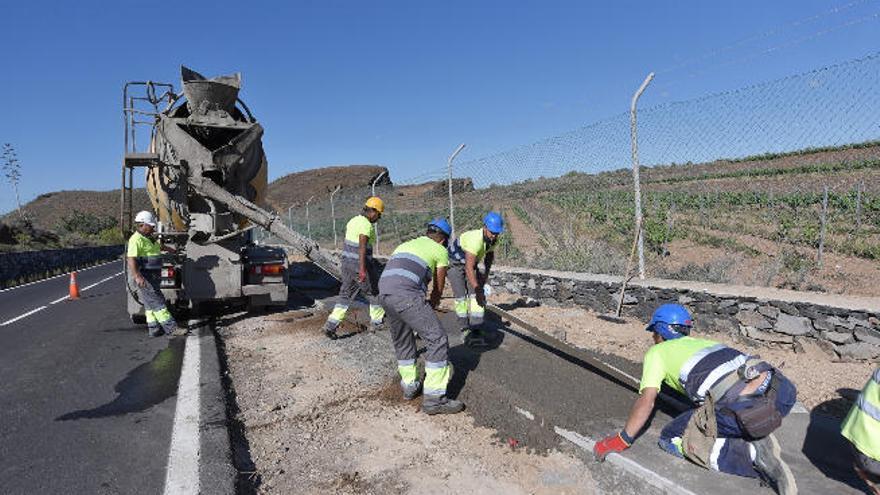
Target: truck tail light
<point>168,272</point>
<point>274,269</point>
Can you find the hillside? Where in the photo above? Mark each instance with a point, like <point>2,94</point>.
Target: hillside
<point>46,210</point>
<point>296,188</point>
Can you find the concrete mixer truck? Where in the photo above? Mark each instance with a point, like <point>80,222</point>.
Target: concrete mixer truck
<point>206,177</point>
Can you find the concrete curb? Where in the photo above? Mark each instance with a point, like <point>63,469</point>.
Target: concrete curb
<point>216,471</point>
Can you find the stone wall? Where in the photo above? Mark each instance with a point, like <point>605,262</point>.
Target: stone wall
<point>849,327</point>
<point>19,268</point>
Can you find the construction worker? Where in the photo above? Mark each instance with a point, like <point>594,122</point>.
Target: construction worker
<point>402,290</point>
<point>145,268</point>
<point>467,281</point>
<point>741,400</point>
<point>360,273</point>
<point>862,428</point>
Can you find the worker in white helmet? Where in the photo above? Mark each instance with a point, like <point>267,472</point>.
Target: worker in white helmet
<point>145,268</point>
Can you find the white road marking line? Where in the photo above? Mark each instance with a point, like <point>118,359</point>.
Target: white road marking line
<point>625,463</point>
<point>7,322</point>
<point>528,415</point>
<point>183,457</point>
<point>58,276</point>
<point>60,299</point>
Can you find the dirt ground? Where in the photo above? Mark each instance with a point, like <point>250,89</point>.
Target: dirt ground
<point>822,383</point>
<point>327,416</point>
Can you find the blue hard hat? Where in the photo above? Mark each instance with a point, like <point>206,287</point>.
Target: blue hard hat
<point>671,321</point>
<point>442,225</point>
<point>494,222</point>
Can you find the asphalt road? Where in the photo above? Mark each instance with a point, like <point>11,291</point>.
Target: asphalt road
<point>88,400</point>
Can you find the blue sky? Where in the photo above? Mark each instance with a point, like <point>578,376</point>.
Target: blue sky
<point>398,83</point>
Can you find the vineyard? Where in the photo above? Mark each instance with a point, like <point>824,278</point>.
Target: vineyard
<point>756,221</point>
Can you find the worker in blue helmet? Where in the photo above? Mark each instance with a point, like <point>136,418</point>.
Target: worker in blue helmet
<point>740,401</point>
<point>466,279</point>
<point>402,289</point>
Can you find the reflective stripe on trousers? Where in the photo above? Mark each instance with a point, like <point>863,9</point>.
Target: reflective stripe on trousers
<point>468,311</point>
<point>407,370</point>
<point>151,298</point>
<point>437,375</point>
<point>408,313</point>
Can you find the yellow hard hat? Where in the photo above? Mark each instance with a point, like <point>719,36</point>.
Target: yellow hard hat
<point>375,203</point>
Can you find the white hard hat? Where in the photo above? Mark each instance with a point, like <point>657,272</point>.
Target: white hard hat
<point>145,217</point>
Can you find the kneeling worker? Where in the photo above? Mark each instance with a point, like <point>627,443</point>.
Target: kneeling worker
<point>144,258</point>
<point>465,278</point>
<point>402,290</point>
<point>360,274</point>
<point>862,428</point>
<point>742,400</point>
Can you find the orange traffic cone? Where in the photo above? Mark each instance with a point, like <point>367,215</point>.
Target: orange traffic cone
<point>74,287</point>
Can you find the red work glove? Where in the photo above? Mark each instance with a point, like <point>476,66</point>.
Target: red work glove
<point>614,443</point>
<point>362,275</point>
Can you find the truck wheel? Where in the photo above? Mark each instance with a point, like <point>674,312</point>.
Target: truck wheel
<point>139,319</point>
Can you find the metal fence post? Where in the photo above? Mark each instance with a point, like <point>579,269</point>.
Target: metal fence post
<point>822,220</point>
<point>449,174</point>
<point>308,220</point>
<point>333,215</point>
<point>635,160</point>
<point>373,193</point>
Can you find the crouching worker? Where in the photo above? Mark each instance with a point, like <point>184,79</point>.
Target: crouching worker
<point>402,290</point>
<point>144,258</point>
<point>741,401</point>
<point>862,428</point>
<point>360,272</point>
<point>466,280</point>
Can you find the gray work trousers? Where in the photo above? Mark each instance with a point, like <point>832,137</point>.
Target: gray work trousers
<point>151,298</point>
<point>410,312</point>
<point>470,314</point>
<point>352,291</point>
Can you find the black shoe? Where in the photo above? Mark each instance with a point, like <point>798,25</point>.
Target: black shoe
<point>156,333</point>
<point>768,462</point>
<point>331,334</point>
<point>432,406</point>
<point>411,390</point>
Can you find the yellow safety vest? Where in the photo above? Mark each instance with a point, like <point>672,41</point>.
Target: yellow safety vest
<point>862,424</point>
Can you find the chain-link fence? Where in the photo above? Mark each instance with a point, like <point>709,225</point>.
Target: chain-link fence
<point>776,184</point>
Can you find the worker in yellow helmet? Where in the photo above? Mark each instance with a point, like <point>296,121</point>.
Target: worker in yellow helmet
<point>862,428</point>
<point>360,273</point>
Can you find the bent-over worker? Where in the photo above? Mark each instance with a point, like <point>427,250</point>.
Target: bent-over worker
<point>741,401</point>
<point>466,279</point>
<point>402,290</point>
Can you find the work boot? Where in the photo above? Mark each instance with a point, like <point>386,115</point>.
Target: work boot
<point>156,332</point>
<point>377,327</point>
<point>473,338</point>
<point>768,462</point>
<point>411,390</point>
<point>330,331</point>
<point>441,405</point>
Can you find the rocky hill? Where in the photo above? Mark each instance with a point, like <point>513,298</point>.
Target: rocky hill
<point>296,188</point>
<point>47,210</point>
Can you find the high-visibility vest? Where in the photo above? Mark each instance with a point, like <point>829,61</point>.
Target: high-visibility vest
<point>357,226</point>
<point>412,266</point>
<point>862,424</point>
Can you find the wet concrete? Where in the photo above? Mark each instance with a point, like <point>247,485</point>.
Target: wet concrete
<point>524,390</point>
